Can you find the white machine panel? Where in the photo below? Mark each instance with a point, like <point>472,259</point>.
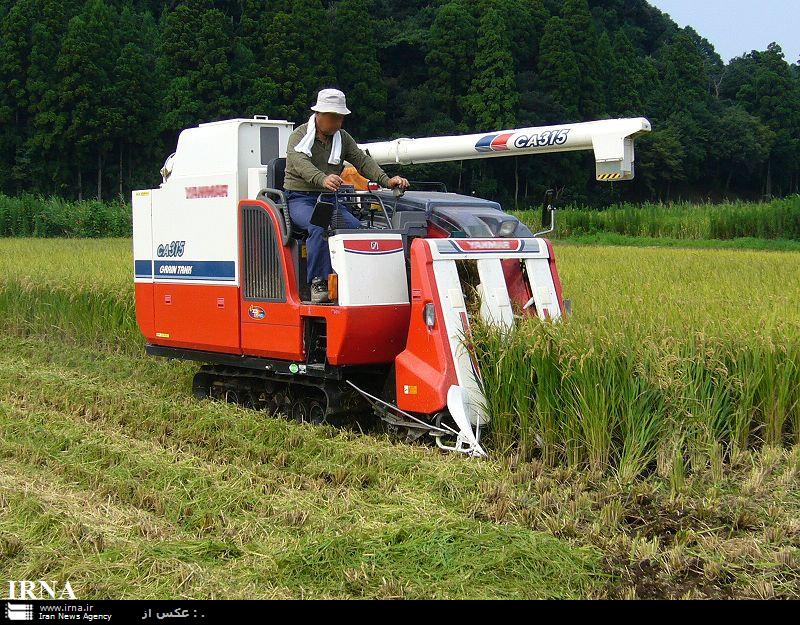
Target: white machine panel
<point>195,231</point>
<point>495,302</point>
<point>543,289</point>
<point>187,231</point>
<point>456,322</point>
<point>142,237</point>
<point>475,249</point>
<point>371,268</point>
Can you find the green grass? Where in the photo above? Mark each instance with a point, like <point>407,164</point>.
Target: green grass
<point>653,479</point>
<point>114,479</point>
<point>677,356</point>
<point>746,224</point>
<point>744,243</point>
<point>37,216</point>
<point>775,220</point>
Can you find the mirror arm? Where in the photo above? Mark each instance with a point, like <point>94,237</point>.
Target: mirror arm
<point>552,223</point>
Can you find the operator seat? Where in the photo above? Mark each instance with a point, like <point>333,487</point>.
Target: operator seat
<point>293,237</point>
<point>276,172</point>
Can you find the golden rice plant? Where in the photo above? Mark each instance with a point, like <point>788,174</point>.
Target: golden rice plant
<point>687,356</point>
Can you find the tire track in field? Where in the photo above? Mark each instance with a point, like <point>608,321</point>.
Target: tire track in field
<point>285,513</point>
<point>315,485</point>
<point>115,520</point>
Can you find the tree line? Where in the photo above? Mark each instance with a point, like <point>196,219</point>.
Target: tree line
<point>95,92</point>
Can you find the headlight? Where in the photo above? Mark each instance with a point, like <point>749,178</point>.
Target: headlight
<point>507,228</point>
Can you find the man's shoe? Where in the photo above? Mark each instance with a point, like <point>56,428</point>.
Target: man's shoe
<point>319,291</point>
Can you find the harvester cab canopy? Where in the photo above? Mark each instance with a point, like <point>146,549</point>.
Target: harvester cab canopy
<point>452,213</point>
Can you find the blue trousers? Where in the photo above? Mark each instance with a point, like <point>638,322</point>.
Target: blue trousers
<point>301,207</point>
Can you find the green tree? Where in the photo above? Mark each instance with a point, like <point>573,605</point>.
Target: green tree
<point>196,57</point>
<point>684,80</point>
<point>86,117</point>
<point>559,72</point>
<point>45,145</point>
<point>741,144</point>
<point>449,61</point>
<point>296,58</point>
<point>15,44</point>
<point>358,71</point>
<point>525,21</point>
<point>135,92</point>
<point>712,62</point>
<point>583,39</point>
<point>660,161</point>
<point>769,91</point>
<point>492,97</point>
<point>627,84</point>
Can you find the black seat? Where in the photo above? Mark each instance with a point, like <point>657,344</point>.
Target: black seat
<point>276,172</point>
<point>293,237</point>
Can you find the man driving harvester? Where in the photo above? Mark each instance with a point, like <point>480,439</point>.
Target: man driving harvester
<point>314,163</point>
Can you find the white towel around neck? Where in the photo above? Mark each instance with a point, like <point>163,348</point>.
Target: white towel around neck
<point>307,142</point>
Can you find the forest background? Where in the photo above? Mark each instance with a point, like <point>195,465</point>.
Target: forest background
<point>96,92</point>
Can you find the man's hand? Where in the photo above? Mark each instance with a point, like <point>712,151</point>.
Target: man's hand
<point>397,181</point>
<point>332,182</point>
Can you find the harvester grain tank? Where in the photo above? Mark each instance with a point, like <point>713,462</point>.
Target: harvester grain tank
<point>220,276</point>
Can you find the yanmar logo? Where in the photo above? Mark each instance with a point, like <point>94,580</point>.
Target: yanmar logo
<point>199,193</point>
<point>488,245</point>
<point>39,590</point>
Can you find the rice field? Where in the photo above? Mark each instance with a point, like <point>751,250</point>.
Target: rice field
<point>672,357</point>
<point>777,219</point>
<point>774,224</point>
<point>646,448</point>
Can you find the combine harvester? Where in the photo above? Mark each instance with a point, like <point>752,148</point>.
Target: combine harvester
<point>220,276</point>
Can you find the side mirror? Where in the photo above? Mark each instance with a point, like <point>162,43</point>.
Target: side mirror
<point>547,210</point>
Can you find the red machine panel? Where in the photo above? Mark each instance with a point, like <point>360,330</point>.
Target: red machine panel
<point>197,316</point>
<point>272,330</point>
<point>356,335</point>
<point>360,335</point>
<point>425,370</point>
<point>144,309</point>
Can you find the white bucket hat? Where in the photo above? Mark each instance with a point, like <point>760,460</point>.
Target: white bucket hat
<point>331,101</point>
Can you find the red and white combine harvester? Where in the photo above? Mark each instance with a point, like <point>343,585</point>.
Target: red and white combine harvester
<point>220,276</point>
